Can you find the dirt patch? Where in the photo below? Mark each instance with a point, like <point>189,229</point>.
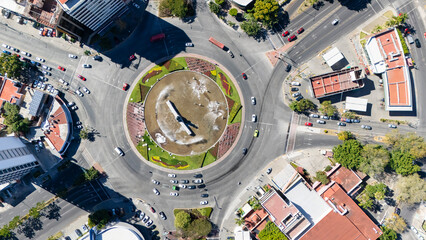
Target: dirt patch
<point>213,151</point>
<point>230,103</point>
<point>151,74</point>
<point>144,91</point>
<point>201,106</point>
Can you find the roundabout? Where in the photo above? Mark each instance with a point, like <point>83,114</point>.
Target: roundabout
<point>184,114</point>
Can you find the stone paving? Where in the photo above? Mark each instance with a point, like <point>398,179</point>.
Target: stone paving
<point>135,121</point>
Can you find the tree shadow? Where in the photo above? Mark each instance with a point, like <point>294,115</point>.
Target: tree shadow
<point>355,5</point>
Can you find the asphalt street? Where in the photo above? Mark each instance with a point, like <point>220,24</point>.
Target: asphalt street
<point>103,109</point>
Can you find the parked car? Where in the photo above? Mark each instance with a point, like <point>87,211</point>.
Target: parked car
<point>295,84</point>
<point>309,124</point>
<point>417,42</point>
<point>324,117</point>
<point>285,34</point>
<point>86,90</point>
<point>125,87</point>
<point>72,56</point>
<point>171,175</point>
<point>192,187</point>
<point>204,202</point>
<point>136,5</point>
<point>46,67</point>
<point>230,53</point>
<point>291,38</point>
<point>149,223</point>
<point>341,124</point>
<point>244,76</point>
<point>175,194</point>
<point>199,175</point>
<point>204,195</point>
<point>198,181</point>
<point>294,89</point>
<point>256,133</point>
<point>156,191</point>
<point>155,181</point>
<point>78,232</point>
<point>87,65</point>
<point>355,120</point>
<point>244,151</point>
<point>189,44</point>
<point>162,215</point>
<point>301,30</point>
<point>320,121</point>
<point>269,171</point>
<point>40,59</point>
<point>313,115</point>
<point>26,53</point>
<point>97,58</point>
<point>47,73</point>
<point>391,126</point>
<point>79,93</point>
<point>82,78</point>
<point>298,98</point>
<point>174,181</point>
<point>366,127</point>
<point>61,68</point>
<point>145,219</point>
<point>182,185</point>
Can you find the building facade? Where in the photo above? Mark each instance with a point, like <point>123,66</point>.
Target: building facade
<point>15,159</point>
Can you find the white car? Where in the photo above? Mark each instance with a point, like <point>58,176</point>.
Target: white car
<point>79,127</point>
<point>199,181</point>
<point>295,84</point>
<point>47,73</point>
<point>156,191</point>
<point>5,46</point>
<point>72,56</point>
<point>174,194</point>
<point>86,90</point>
<point>26,54</point>
<point>40,59</point>
<point>79,93</point>
<point>145,219</point>
<point>253,118</point>
<point>87,65</point>
<point>392,126</point>
<point>335,21</point>
<point>296,94</point>
<point>325,117</point>
<point>253,100</point>
<point>189,44</point>
<point>43,78</point>
<point>204,202</point>
<point>171,175</point>
<point>155,181</point>
<point>320,121</point>
<point>74,108</point>
<point>70,104</point>
<point>182,185</point>
<point>174,181</point>
<point>41,31</point>
<point>46,67</point>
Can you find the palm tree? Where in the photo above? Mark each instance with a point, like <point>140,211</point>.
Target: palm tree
<point>377,28</point>
<point>402,17</point>
<point>240,221</point>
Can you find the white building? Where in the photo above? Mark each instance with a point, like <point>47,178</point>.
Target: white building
<point>95,15</point>
<point>15,159</point>
<point>114,231</point>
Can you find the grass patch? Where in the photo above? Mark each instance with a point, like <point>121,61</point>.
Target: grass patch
<point>362,35</point>
<point>209,158</point>
<point>388,14</point>
<point>181,61</point>
<point>207,211</point>
<point>237,117</point>
<point>136,95</point>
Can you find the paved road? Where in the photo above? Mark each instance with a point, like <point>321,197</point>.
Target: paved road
<point>103,108</point>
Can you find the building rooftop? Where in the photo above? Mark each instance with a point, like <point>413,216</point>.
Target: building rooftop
<point>346,221</point>
<point>346,178</point>
<point>117,230</point>
<point>337,82</point>
<point>387,58</point>
<point>10,91</point>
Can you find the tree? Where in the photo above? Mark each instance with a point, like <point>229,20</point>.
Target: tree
<point>14,223</point>
<point>365,201</point>
<point>15,121</point>
<point>348,153</point>
<point>411,189</point>
<point>23,125</point>
<point>402,163</point>
<point>376,191</point>
<point>219,2</point>
<point>214,8</point>
<point>374,159</point>
<point>251,27</point>
<point>322,177</point>
<point>409,142</point>
<point>388,234</point>
<point>200,227</point>
<point>11,65</point>
<point>182,220</point>
<point>178,8</point>
<point>266,11</point>
<point>84,133</point>
<point>349,114</point>
<point>396,223</point>
<point>377,29</point>
<point>302,105</point>
<point>5,233</point>
<point>271,232</point>
<point>99,218</point>
<point>233,12</point>
<point>327,109</point>
<point>240,221</point>
<point>345,135</point>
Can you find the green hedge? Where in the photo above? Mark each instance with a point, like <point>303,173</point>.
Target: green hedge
<point>404,45</point>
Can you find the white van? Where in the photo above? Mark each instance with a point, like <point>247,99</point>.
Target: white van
<point>119,151</point>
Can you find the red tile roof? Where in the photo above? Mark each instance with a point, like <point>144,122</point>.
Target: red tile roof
<point>58,126</point>
<point>336,82</point>
<point>353,225</point>
<point>346,178</point>
<point>255,218</point>
<point>9,92</point>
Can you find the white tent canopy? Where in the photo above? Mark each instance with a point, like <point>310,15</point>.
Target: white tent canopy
<point>333,56</point>
<point>356,104</point>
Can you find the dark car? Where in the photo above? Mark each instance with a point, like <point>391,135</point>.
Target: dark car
<point>300,30</point>
<point>294,89</point>
<point>192,187</point>
<point>97,58</point>
<point>288,68</point>
<point>125,87</point>
<point>244,76</point>
<point>78,232</point>
<point>204,195</point>
<point>417,42</point>
<point>291,38</point>
<point>397,211</point>
<point>244,151</point>
<point>202,186</point>
<point>198,175</point>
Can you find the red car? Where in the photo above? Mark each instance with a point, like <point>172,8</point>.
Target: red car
<point>308,124</point>
<point>152,210</point>
<point>82,78</point>
<point>61,68</point>
<point>300,30</point>
<point>291,38</point>
<point>132,57</point>
<point>286,33</point>
<point>125,87</point>
<point>244,76</point>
